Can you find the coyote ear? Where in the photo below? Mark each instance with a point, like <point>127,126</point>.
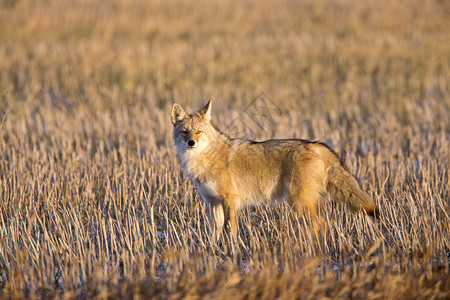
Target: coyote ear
<point>178,113</point>
<point>206,111</point>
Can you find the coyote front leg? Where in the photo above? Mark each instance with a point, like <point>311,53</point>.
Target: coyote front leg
<point>230,202</point>
<point>215,217</point>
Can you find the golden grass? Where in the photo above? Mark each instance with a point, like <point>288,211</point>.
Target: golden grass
<point>93,202</point>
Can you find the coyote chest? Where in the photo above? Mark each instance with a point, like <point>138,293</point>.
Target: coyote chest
<point>208,191</point>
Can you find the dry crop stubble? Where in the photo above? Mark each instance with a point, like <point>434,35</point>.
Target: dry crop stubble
<point>94,203</point>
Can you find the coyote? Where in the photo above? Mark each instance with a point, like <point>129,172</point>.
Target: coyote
<point>232,173</point>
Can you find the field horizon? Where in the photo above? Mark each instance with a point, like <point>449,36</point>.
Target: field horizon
<point>94,203</point>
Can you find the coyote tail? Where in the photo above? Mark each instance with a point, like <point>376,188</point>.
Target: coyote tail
<point>345,187</point>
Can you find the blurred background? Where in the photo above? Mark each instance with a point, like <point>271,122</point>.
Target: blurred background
<point>85,56</point>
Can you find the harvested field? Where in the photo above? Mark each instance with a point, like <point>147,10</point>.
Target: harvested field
<point>93,200</point>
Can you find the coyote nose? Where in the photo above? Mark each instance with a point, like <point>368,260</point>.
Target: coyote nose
<point>191,143</point>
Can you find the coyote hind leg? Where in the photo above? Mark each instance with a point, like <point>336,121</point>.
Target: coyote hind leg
<point>305,201</point>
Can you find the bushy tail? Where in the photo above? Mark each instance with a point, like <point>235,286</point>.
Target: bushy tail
<point>345,187</point>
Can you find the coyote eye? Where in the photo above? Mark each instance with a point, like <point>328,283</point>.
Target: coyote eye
<point>199,132</point>
<point>184,132</point>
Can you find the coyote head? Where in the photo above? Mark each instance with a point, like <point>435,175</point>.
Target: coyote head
<point>192,132</point>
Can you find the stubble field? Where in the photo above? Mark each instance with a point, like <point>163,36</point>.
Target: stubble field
<point>93,200</point>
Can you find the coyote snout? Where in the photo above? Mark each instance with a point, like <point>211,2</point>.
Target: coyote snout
<point>232,173</point>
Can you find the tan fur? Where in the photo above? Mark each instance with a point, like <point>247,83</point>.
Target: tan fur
<point>232,173</point>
